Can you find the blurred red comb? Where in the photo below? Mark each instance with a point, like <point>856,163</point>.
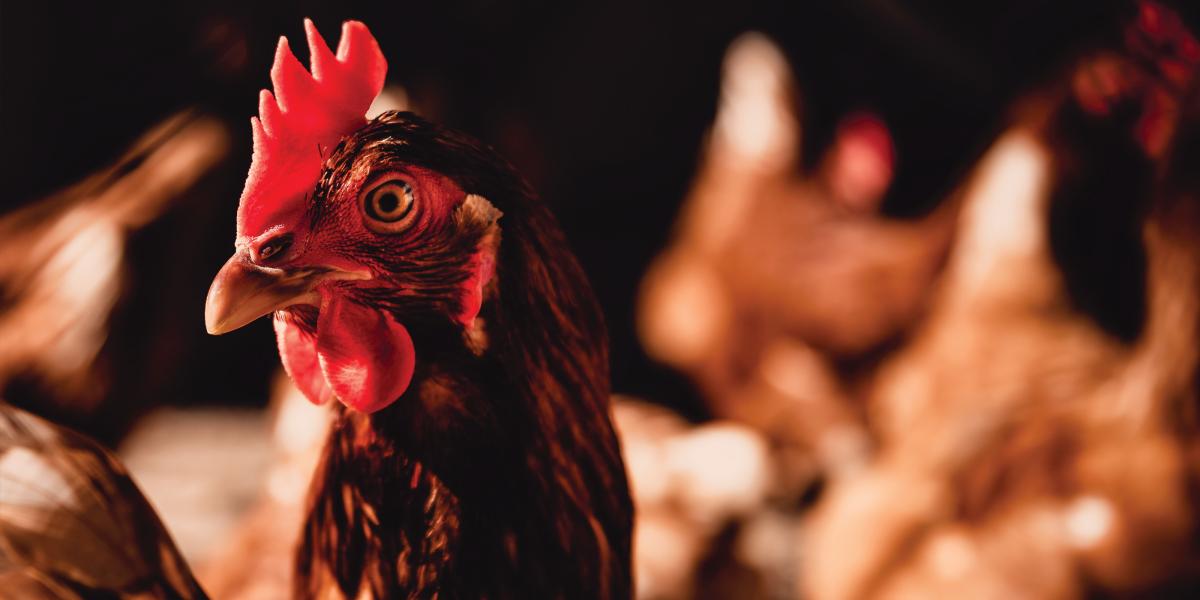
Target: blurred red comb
<point>304,119</point>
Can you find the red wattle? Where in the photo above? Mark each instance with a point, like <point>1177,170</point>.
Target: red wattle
<point>366,357</point>
<point>298,352</point>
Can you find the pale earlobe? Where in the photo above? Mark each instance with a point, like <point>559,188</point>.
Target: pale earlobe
<point>479,211</point>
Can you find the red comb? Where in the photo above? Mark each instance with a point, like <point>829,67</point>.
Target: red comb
<point>304,119</point>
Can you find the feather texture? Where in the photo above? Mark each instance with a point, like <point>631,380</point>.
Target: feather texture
<point>74,525</point>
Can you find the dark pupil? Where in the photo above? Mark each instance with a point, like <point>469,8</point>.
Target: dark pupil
<point>388,203</point>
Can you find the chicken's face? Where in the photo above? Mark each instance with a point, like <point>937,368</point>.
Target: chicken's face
<point>347,231</point>
<point>381,243</point>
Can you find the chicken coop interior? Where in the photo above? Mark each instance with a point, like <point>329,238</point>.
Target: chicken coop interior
<point>901,300</point>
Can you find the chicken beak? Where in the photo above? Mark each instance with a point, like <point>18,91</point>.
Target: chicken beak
<point>243,292</point>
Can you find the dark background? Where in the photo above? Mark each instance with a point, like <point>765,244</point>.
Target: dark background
<point>603,106</point>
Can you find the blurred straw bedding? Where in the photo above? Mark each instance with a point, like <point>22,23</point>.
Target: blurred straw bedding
<point>847,363</point>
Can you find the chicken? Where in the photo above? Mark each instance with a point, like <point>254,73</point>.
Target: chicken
<point>72,522</point>
<point>419,288</point>
<point>780,289</point>
<point>73,525</point>
<point>66,265</point>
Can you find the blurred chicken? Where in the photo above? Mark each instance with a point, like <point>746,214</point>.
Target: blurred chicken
<point>73,525</point>
<point>774,275</point>
<point>62,259</point>
<point>1030,445</point>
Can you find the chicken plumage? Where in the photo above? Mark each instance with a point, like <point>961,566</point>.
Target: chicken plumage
<point>73,525</point>
<point>497,473</point>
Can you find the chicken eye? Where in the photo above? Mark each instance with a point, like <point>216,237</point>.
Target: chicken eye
<point>388,203</point>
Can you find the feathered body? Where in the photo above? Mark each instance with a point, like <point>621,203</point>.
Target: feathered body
<point>73,525</point>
